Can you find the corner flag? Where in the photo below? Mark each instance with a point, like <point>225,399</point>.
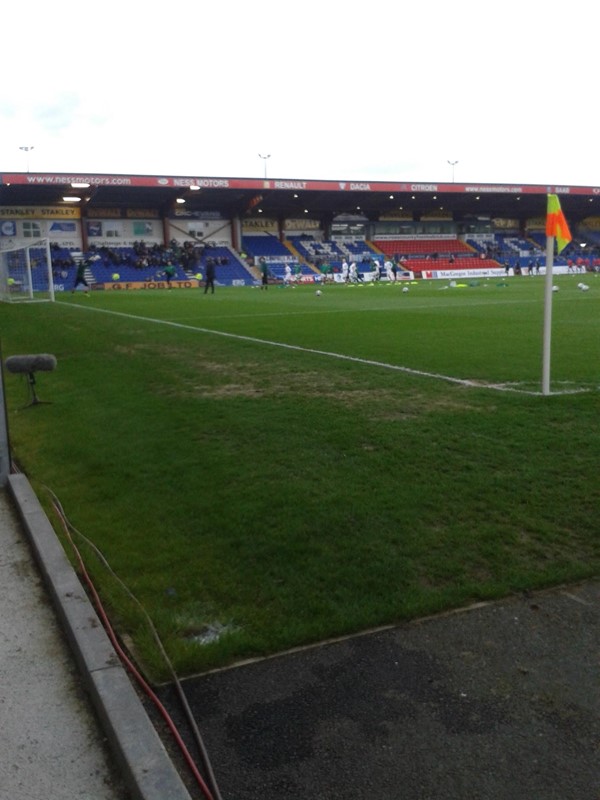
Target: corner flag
<point>556,228</point>
<point>556,224</point>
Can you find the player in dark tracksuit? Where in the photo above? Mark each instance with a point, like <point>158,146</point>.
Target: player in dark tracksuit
<point>210,276</point>
<point>80,277</point>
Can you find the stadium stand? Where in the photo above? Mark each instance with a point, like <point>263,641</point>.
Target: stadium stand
<point>422,254</point>
<point>331,252</point>
<point>276,254</point>
<point>306,254</point>
<point>422,247</point>
<point>147,264</point>
<point>313,250</point>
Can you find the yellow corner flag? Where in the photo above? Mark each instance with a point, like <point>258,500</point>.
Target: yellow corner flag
<point>556,224</point>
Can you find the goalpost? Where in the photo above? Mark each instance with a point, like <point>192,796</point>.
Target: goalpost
<point>26,273</point>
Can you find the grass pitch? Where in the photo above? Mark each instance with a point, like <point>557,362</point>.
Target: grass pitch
<point>265,469</point>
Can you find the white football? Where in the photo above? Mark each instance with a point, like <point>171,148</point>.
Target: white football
<point>405,288</point>
<point>318,293</point>
<point>555,288</point>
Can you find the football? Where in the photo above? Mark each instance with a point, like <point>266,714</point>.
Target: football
<point>318,293</point>
<point>115,276</point>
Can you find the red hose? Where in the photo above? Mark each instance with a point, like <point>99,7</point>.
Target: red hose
<point>131,666</point>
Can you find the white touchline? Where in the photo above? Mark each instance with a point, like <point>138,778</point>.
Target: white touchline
<point>498,387</point>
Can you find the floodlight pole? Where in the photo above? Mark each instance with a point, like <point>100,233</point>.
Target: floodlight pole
<point>264,158</point>
<point>27,149</point>
<point>453,164</point>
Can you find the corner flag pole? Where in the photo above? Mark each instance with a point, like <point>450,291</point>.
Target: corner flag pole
<point>556,228</point>
<point>547,315</point>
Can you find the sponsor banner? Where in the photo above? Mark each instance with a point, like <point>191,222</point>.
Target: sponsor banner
<point>65,227</point>
<point>143,229</point>
<point>118,286</point>
<point>183,212</point>
<point>104,213</point>
<point>141,213</point>
<point>65,179</point>
<point>61,179</point>
<point>267,225</point>
<point>39,212</point>
<point>70,243</point>
<point>371,277</point>
<point>201,183</point>
<point>94,228</point>
<point>8,228</point>
<point>440,214</point>
<point>452,274</point>
<point>505,224</point>
<point>358,239</point>
<point>117,213</point>
<point>394,216</point>
<point>536,223</point>
<point>180,213</point>
<point>302,225</point>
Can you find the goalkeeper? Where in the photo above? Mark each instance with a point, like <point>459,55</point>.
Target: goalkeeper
<point>80,277</point>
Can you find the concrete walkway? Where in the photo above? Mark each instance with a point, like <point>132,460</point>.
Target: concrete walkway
<point>53,648</point>
<point>51,745</point>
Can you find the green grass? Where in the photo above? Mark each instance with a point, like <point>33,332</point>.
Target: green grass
<point>290,496</point>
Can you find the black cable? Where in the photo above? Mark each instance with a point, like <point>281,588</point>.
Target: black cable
<point>216,794</point>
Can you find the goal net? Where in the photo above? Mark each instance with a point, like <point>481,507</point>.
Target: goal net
<point>26,273</point>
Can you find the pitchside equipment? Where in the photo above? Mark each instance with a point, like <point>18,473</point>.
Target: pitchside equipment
<point>26,273</point>
<point>29,365</point>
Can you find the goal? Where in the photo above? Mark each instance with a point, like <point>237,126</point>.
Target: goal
<point>26,273</point>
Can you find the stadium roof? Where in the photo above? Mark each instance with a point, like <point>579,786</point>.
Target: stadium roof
<point>292,198</point>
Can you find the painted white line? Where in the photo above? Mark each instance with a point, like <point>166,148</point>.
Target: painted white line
<point>498,387</point>
<point>391,309</point>
<point>576,599</point>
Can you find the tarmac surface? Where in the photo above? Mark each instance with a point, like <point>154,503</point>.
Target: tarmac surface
<point>497,702</point>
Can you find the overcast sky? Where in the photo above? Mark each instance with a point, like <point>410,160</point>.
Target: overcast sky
<point>329,89</point>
